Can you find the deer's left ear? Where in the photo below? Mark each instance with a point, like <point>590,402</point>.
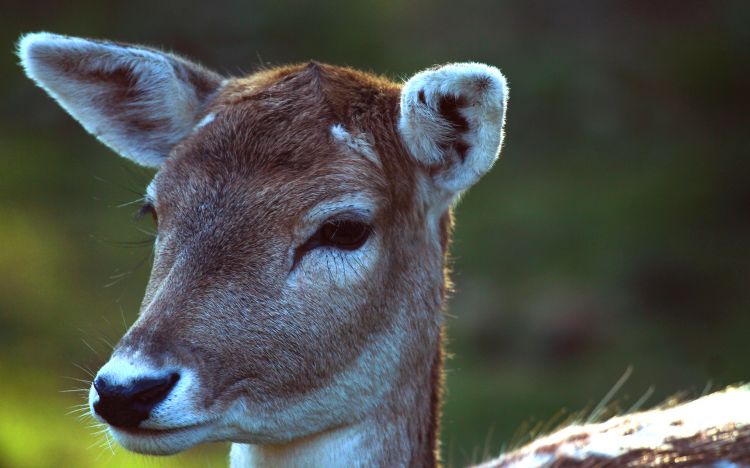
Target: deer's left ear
<point>452,121</point>
<point>138,101</point>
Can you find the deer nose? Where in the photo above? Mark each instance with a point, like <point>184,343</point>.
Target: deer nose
<point>127,405</point>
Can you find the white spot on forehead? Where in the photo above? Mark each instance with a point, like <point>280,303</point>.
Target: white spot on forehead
<point>339,133</point>
<point>205,121</point>
<point>358,144</point>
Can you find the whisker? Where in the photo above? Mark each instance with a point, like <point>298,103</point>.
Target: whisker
<point>78,405</point>
<point>87,382</point>
<point>90,347</point>
<point>131,203</point>
<point>148,232</point>
<point>82,407</point>
<point>135,243</point>
<point>122,315</point>
<point>120,276</point>
<point>86,370</point>
<point>107,342</point>
<point>119,186</point>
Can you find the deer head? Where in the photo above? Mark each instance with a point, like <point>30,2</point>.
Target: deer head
<point>303,218</point>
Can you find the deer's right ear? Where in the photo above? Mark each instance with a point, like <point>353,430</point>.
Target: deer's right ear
<point>452,121</point>
<point>140,102</point>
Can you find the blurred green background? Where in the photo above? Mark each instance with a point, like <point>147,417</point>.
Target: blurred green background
<point>614,232</point>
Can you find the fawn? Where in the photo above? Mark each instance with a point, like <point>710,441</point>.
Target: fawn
<point>295,302</point>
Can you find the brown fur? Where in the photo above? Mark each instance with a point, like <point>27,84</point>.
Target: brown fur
<point>230,297</point>
<point>229,197</point>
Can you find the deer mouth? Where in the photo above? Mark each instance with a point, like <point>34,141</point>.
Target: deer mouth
<point>165,441</point>
<point>147,432</point>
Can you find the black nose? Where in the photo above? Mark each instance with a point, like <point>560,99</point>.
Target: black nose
<point>127,405</point>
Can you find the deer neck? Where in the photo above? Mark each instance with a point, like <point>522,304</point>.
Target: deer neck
<point>401,431</point>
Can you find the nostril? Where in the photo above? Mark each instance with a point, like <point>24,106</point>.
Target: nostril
<point>128,405</point>
<point>100,384</point>
<point>149,395</point>
<point>152,391</point>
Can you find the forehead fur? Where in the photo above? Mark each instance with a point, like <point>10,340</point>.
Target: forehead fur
<point>275,126</point>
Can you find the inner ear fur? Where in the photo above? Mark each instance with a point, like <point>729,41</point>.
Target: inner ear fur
<point>138,101</point>
<point>452,120</point>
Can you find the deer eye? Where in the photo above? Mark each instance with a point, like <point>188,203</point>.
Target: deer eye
<point>344,234</point>
<point>148,209</point>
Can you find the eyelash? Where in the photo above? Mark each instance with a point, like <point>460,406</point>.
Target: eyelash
<point>341,234</point>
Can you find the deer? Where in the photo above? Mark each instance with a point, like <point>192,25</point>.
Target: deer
<point>296,301</point>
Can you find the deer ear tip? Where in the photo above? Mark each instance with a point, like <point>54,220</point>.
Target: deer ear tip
<point>24,44</point>
<point>29,46</point>
<point>24,50</point>
<point>28,40</point>
<point>478,79</point>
